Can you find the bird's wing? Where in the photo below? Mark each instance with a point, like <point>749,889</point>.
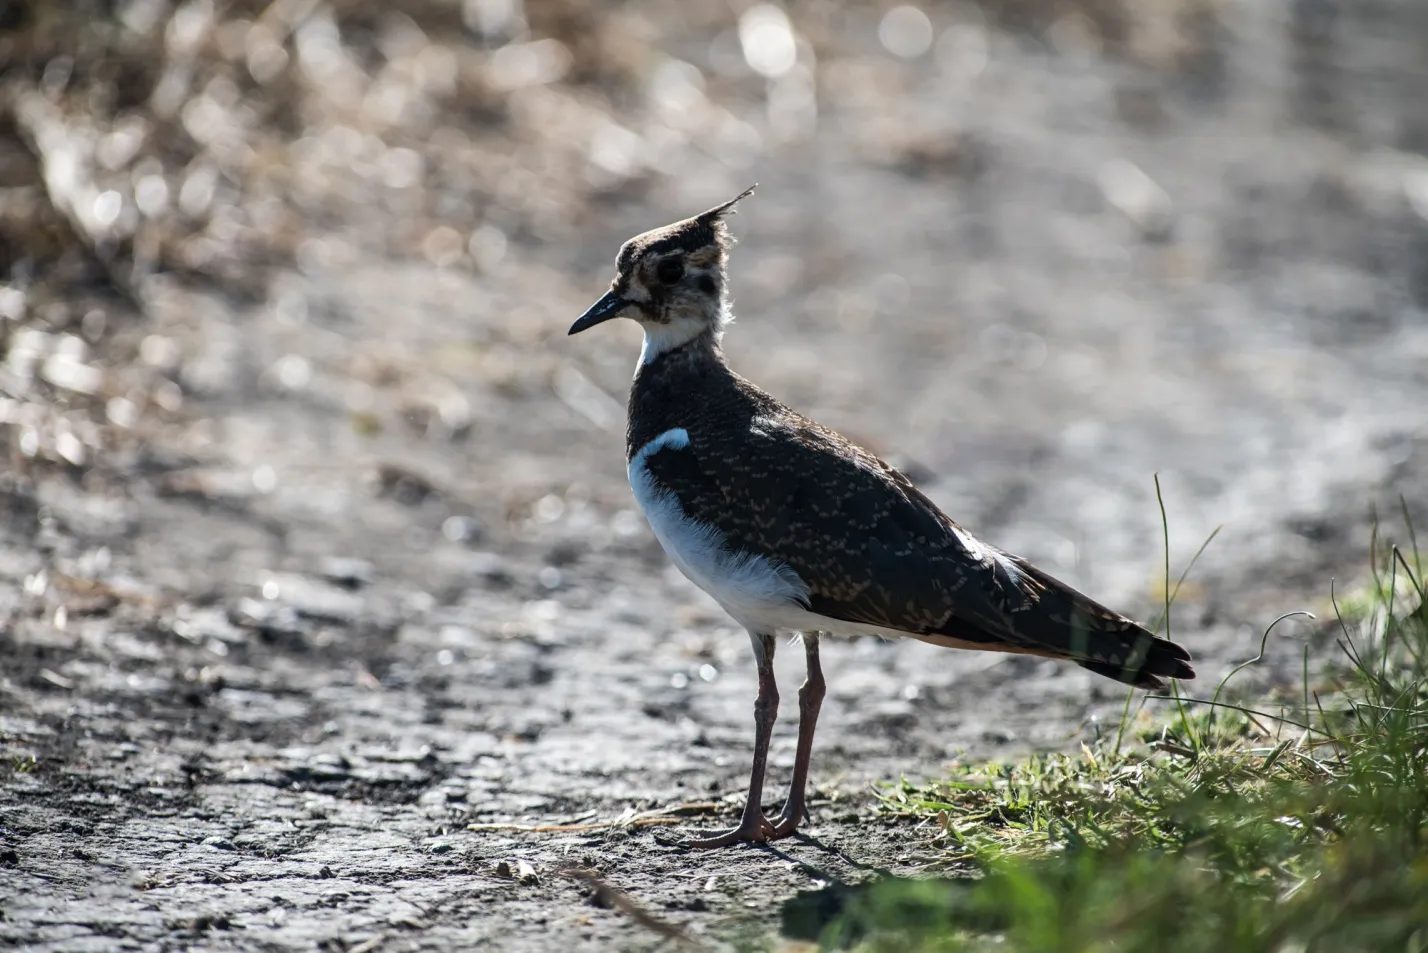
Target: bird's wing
<point>868,544</point>
<point>873,549</point>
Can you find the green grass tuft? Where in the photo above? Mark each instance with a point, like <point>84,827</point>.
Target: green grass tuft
<point>1297,823</point>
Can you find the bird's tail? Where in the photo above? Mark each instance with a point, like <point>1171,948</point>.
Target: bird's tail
<point>1067,624</point>
<point>1146,660</point>
<point>1008,605</point>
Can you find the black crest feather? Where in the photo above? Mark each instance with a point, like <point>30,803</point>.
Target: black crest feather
<point>701,231</point>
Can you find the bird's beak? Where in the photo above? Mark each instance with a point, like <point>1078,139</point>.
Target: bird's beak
<point>609,306</point>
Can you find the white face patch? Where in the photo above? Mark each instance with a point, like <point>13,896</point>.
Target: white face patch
<point>690,313</point>
<point>758,592</point>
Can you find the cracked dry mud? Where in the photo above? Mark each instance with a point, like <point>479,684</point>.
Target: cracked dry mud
<point>290,671</point>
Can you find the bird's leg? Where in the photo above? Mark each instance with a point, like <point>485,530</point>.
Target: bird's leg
<point>754,827</point>
<point>810,699</point>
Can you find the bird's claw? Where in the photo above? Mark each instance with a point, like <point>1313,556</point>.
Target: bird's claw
<point>786,824</point>
<point>753,829</point>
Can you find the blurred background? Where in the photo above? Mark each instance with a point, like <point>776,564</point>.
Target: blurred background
<point>301,480</point>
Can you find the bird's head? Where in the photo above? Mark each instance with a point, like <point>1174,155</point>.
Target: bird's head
<point>671,280</point>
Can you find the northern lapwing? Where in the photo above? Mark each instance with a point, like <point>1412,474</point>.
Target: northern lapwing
<point>791,527</point>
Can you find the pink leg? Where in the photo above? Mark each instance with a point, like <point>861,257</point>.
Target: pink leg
<point>810,699</point>
<point>754,827</point>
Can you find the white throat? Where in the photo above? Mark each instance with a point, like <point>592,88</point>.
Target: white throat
<point>679,332</point>
<point>666,337</point>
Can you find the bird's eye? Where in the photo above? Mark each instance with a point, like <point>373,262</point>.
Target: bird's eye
<point>669,270</point>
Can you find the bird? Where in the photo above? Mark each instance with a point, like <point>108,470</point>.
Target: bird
<point>791,527</point>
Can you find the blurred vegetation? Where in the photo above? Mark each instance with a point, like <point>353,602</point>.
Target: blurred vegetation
<point>216,142</point>
<point>208,139</point>
<point>149,142</point>
<point>1294,822</point>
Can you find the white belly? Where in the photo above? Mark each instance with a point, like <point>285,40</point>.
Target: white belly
<point>761,594</point>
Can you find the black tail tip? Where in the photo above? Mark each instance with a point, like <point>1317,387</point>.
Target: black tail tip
<point>1149,680</point>
<point>1168,649</point>
<point>1164,660</point>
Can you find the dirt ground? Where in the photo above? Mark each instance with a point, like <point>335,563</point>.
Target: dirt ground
<point>319,576</point>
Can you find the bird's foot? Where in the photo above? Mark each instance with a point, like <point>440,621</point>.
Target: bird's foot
<point>786,824</point>
<point>753,829</point>
<point>794,812</point>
